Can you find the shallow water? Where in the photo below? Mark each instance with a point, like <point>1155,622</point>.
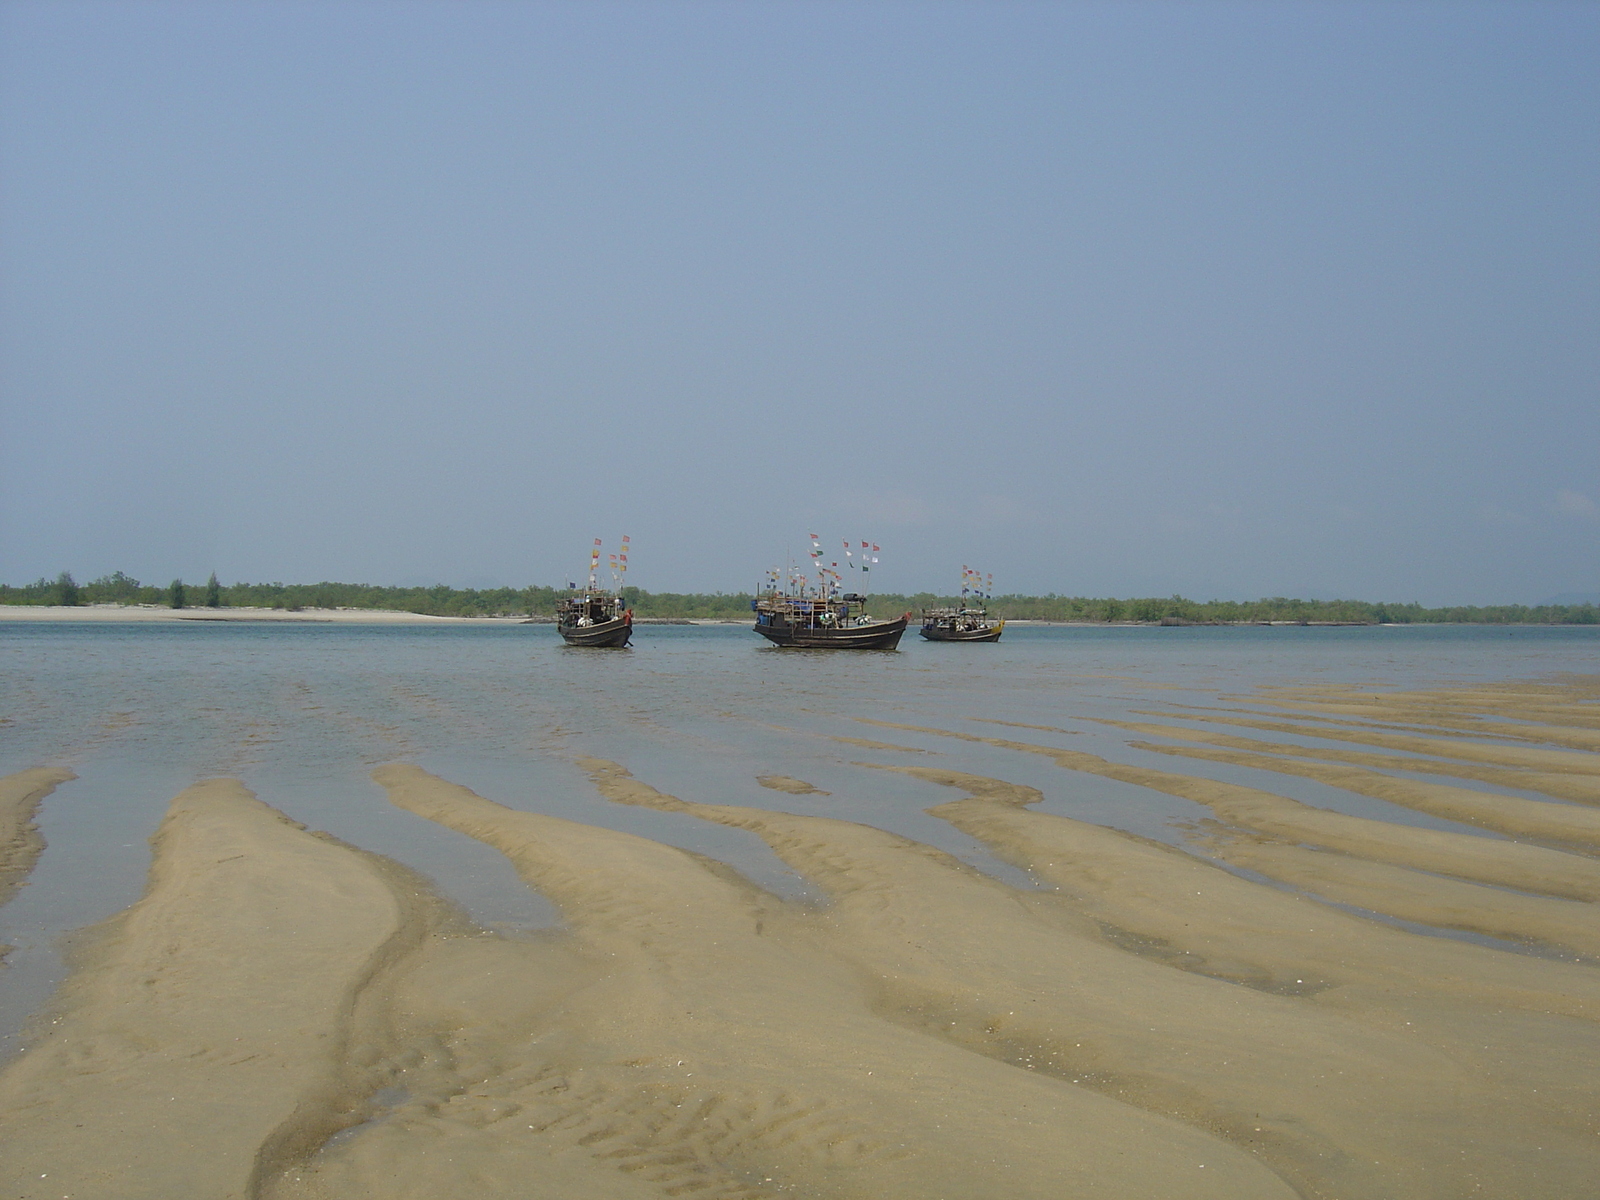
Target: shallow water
<point>302,714</point>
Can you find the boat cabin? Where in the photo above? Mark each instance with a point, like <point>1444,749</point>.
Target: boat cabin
<point>590,608</point>
<point>957,620</point>
<point>783,611</point>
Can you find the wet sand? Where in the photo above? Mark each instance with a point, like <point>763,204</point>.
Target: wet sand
<point>1273,1008</point>
<point>20,840</point>
<point>215,1030</point>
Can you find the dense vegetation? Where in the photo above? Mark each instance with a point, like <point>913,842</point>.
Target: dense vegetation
<point>541,601</point>
<point>1279,608</point>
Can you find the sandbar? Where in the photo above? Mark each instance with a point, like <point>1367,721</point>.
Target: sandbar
<point>1284,1002</point>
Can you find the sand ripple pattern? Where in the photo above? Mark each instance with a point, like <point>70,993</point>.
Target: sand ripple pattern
<point>1247,1014</point>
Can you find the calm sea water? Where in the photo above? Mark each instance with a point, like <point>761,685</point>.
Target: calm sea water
<point>302,713</point>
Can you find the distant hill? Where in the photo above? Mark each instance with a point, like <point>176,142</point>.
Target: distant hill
<point>1566,598</point>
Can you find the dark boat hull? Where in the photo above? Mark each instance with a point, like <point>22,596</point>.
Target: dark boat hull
<point>936,634</point>
<point>606,633</point>
<point>881,635</point>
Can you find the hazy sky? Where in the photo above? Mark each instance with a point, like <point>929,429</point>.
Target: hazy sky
<point>1222,299</point>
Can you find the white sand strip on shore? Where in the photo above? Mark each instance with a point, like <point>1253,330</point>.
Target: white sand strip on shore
<point>141,612</point>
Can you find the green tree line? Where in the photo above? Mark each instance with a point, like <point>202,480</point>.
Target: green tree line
<point>444,601</point>
<point>1278,608</point>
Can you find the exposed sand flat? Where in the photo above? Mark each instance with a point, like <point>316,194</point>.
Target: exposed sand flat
<point>795,787</point>
<point>1025,725</point>
<point>1191,914</point>
<point>1494,1012</point>
<point>203,1040</point>
<point>1504,814</point>
<point>1483,860</point>
<point>469,1014</point>
<point>869,744</point>
<point>20,840</point>
<point>1575,703</point>
<point>286,1017</point>
<point>1265,710</point>
<point>1488,717</point>
<point>1584,789</point>
<point>1560,761</point>
<point>715,1003</point>
<point>1416,895</point>
<point>1439,720</point>
<point>1023,977</point>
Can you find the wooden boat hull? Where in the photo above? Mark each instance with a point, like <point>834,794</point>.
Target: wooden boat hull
<point>935,633</point>
<point>605,633</point>
<point>880,635</point>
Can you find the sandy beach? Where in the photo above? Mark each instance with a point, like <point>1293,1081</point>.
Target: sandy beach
<point>119,613</point>
<point>1261,1009</point>
<point>152,612</point>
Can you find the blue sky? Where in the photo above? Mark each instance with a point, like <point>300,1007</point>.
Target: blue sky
<point>1222,299</point>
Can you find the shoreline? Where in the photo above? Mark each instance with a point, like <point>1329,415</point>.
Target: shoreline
<point>140,613</point>
<point>145,613</point>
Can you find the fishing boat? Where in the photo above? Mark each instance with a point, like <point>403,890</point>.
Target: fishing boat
<point>830,622</point>
<point>818,613</point>
<point>595,616</point>
<point>968,621</point>
<point>960,625</point>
